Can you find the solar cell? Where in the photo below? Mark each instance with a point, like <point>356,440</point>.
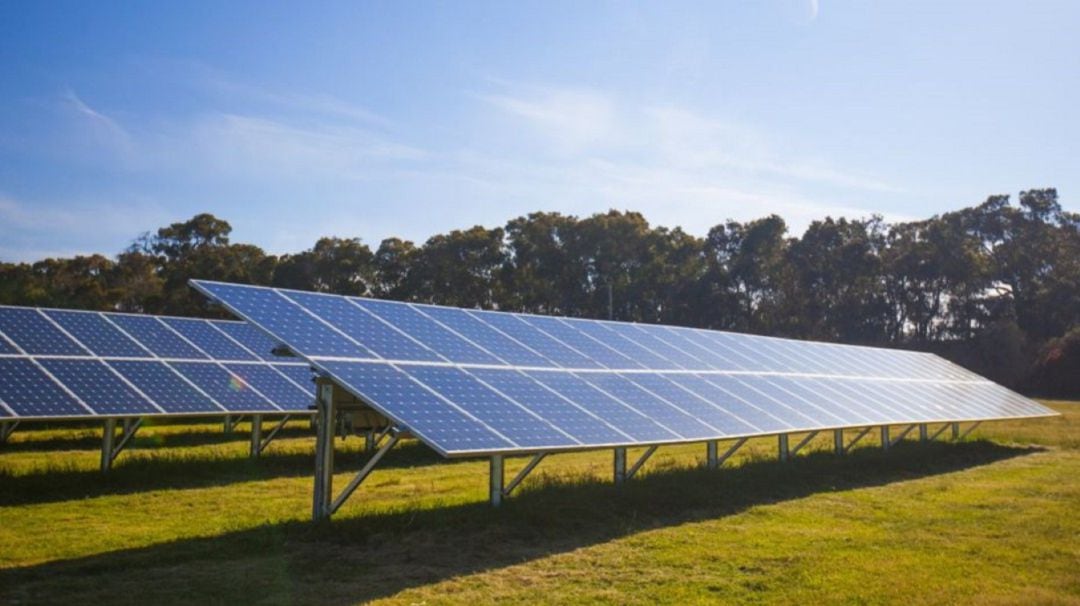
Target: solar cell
<point>97,334</point>
<point>667,415</point>
<point>28,391</point>
<point>616,413</point>
<point>422,412</point>
<point>164,386</point>
<point>300,374</point>
<point>251,338</point>
<point>506,417</point>
<point>428,332</point>
<point>34,334</point>
<point>228,389</point>
<point>97,386</point>
<point>737,401</point>
<point>6,347</point>
<point>273,386</point>
<point>208,339</point>
<point>540,342</point>
<point>155,336</point>
<point>710,412</point>
<point>493,341</point>
<point>582,343</point>
<point>603,332</point>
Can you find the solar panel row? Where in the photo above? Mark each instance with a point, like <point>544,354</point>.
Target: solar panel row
<point>469,381</point>
<point>63,363</point>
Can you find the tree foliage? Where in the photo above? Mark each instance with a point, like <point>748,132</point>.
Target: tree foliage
<point>995,286</point>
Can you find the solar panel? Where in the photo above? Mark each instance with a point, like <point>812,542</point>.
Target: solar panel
<point>69,364</point>
<point>472,382</point>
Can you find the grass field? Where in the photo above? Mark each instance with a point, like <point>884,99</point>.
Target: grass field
<point>187,517</point>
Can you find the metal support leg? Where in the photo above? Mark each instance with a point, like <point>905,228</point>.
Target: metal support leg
<point>862,434</point>
<point>256,436</point>
<point>369,440</point>
<point>730,451</point>
<point>956,431</point>
<point>712,454</point>
<point>495,481</point>
<point>838,442</point>
<point>264,442</point>
<point>324,453</point>
<point>108,440</point>
<point>531,465</point>
<point>363,473</point>
<point>885,442</point>
<point>6,429</point>
<point>620,466</point>
<point>903,434</point>
<point>924,432</point>
<point>782,447</point>
<point>940,431</point>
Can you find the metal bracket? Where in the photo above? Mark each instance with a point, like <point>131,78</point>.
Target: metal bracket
<point>521,475</point>
<point>855,440</point>
<point>362,475</point>
<point>969,430</point>
<point>904,433</point>
<point>6,429</point>
<point>622,473</point>
<point>110,448</point>
<point>258,442</point>
<point>641,461</point>
<point>713,461</point>
<point>804,442</point>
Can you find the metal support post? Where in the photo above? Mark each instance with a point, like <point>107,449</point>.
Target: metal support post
<point>838,442</point>
<point>369,440</point>
<point>108,439</point>
<point>620,466</point>
<point>6,429</point>
<point>712,454</point>
<point>924,432</point>
<point>956,431</point>
<point>782,447</point>
<point>324,453</point>
<point>495,482</point>
<point>256,436</point>
<point>885,442</point>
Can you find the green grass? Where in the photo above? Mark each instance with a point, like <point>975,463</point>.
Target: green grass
<point>186,517</point>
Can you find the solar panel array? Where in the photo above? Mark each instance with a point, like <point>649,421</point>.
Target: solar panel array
<point>67,364</point>
<point>472,382</point>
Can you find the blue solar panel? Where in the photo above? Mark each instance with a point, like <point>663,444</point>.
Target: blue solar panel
<point>251,338</point>
<point>435,336</point>
<point>617,414</point>
<point>710,411</point>
<point>500,345</point>
<point>604,332</point>
<point>274,386</point>
<point>738,403</point>
<point>717,356</point>
<point>557,410</point>
<point>516,328</point>
<point>30,392</point>
<point>208,339</point>
<point>665,414</point>
<point>98,386</point>
<point>422,412</point>
<point>156,336</point>
<point>813,413</point>
<point>97,334</point>
<point>850,410</point>
<point>374,337</point>
<point>303,332</point>
<point>589,347</point>
<point>504,416</point>
<point>6,347</point>
<point>34,334</point>
<point>164,386</point>
<point>298,374</point>
<point>654,341</point>
<point>228,389</point>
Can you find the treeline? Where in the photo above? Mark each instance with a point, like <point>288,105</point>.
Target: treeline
<point>995,287</point>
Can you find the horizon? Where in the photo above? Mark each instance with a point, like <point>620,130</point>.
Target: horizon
<point>386,120</point>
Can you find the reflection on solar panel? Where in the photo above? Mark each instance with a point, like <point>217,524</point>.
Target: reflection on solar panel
<point>76,364</point>
<point>469,382</point>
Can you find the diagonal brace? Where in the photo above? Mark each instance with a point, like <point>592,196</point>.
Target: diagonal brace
<point>969,430</point>
<point>906,431</point>
<point>364,472</point>
<point>523,473</point>
<point>6,429</point>
<point>804,442</point>
<point>940,431</point>
<point>264,442</point>
<point>715,463</point>
<point>641,461</point>
<point>855,440</point>
<point>110,448</point>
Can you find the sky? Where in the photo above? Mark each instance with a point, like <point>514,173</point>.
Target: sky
<point>299,120</point>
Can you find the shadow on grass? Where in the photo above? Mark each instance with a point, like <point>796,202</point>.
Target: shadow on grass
<point>362,558</point>
<point>167,470</point>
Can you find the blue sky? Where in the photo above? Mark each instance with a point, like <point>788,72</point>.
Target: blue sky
<point>294,121</point>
